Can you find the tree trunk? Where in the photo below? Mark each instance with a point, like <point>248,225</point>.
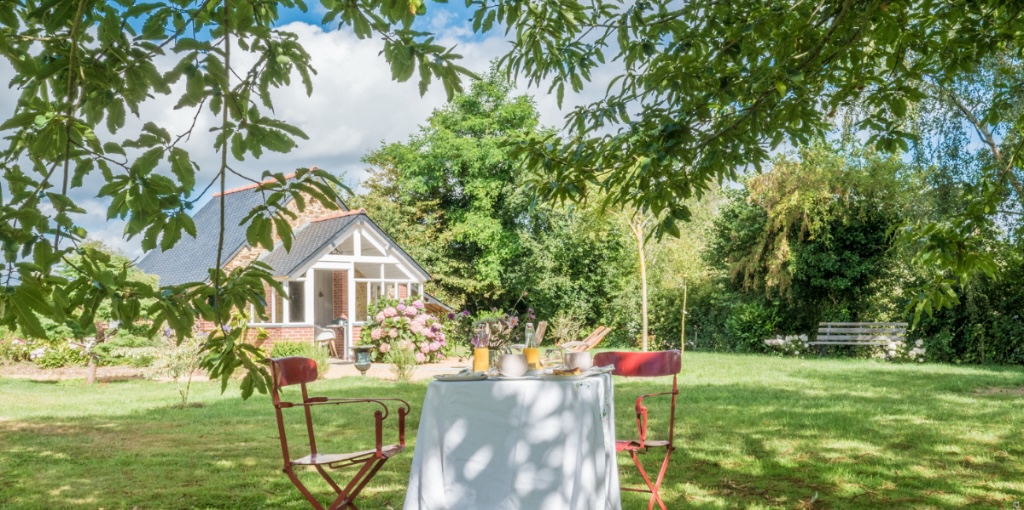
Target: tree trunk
<point>682,333</point>
<point>638,231</point>
<point>90,378</point>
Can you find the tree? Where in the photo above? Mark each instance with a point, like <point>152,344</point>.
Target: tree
<point>455,198</point>
<point>639,224</point>
<point>816,230</point>
<point>81,66</point>
<point>705,91</point>
<point>464,194</point>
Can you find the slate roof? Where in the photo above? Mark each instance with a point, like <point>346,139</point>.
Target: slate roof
<point>191,258</point>
<point>307,243</point>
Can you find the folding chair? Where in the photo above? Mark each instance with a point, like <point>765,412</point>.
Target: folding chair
<point>326,338</point>
<point>646,364</point>
<point>296,370</point>
<point>587,343</point>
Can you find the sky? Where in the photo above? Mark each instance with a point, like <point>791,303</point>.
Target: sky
<point>354,108</point>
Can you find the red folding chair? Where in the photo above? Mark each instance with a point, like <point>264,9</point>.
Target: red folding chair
<point>295,370</point>
<point>646,364</point>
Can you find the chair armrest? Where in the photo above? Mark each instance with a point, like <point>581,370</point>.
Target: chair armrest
<point>641,413</point>
<point>403,410</point>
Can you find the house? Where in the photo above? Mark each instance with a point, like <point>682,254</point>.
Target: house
<point>339,263</point>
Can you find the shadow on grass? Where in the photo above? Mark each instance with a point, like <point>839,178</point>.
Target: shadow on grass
<point>859,439</point>
<point>820,437</point>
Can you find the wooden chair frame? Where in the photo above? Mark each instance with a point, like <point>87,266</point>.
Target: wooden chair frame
<point>647,364</point>
<point>589,342</point>
<point>296,370</point>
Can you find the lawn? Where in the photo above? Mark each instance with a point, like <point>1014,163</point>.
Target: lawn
<point>753,432</point>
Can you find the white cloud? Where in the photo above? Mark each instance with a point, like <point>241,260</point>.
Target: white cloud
<point>355,106</point>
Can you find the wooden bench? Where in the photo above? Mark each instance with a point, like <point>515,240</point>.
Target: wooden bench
<point>859,333</point>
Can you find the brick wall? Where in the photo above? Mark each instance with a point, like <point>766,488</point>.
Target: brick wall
<point>275,334</point>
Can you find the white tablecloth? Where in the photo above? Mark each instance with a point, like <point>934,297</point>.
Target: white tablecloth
<point>516,445</point>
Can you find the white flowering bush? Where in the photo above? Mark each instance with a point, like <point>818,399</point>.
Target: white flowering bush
<point>397,325</point>
<point>898,350</point>
<point>789,345</point>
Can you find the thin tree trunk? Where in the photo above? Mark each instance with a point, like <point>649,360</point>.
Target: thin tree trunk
<point>682,334</point>
<point>638,231</point>
<point>90,378</point>
<point>100,337</point>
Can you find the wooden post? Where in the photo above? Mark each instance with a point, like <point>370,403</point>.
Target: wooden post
<point>682,334</point>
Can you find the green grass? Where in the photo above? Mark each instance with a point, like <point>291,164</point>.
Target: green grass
<point>753,432</point>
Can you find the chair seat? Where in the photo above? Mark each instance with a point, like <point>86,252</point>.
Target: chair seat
<point>625,445</point>
<point>321,459</point>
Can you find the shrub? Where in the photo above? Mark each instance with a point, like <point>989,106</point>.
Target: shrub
<point>403,361</point>
<point>13,349</point>
<point>750,324</point>
<point>395,324</point>
<point>129,346</point>
<point>58,356</point>
<point>179,361</point>
<point>458,331</point>
<point>567,326</point>
<point>305,350</point>
<point>789,345</point>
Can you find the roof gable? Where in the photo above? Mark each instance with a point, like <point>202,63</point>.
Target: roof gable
<point>191,259</point>
<point>320,237</point>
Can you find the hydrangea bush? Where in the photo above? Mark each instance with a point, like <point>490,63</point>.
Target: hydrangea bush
<point>789,345</point>
<point>394,324</point>
<point>899,350</point>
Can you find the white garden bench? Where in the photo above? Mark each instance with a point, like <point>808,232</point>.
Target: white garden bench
<point>860,333</point>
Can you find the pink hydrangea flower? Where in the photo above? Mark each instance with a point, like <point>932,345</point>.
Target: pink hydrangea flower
<point>405,345</point>
<point>401,307</point>
<point>393,333</point>
<point>418,304</point>
<point>385,347</point>
<point>380,317</point>
<point>420,357</point>
<point>435,346</point>
<point>424,347</point>
<point>410,312</point>
<point>377,333</point>
<point>389,311</point>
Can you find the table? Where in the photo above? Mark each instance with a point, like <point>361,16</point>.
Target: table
<point>512,445</point>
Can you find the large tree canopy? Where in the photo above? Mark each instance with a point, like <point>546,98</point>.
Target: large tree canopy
<point>700,91</point>
<point>455,198</point>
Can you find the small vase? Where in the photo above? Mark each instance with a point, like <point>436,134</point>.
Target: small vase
<point>481,359</point>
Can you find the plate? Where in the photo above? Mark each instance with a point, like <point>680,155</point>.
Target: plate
<point>548,376</point>
<point>510,378</point>
<point>478,376</point>
<point>553,377</point>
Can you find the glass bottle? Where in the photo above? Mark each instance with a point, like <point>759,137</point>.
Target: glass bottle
<point>481,354</point>
<point>530,349</point>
